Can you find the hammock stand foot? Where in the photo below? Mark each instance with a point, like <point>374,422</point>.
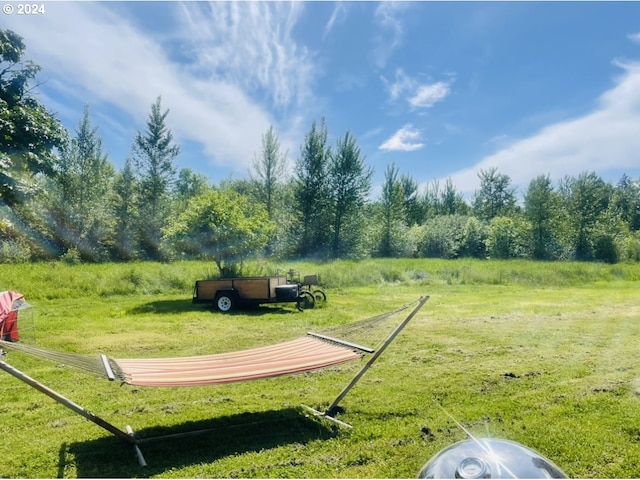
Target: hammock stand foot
<point>141,460</point>
<point>327,415</point>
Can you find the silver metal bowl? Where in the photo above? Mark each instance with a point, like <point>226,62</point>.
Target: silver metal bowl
<point>489,458</point>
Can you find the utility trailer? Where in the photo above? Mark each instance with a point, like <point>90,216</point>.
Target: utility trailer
<point>229,293</point>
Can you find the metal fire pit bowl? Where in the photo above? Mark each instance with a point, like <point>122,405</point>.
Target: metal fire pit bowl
<point>489,458</point>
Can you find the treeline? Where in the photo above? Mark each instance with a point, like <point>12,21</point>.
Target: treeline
<point>61,197</point>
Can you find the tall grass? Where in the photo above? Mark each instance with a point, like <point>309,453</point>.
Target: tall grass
<point>58,280</point>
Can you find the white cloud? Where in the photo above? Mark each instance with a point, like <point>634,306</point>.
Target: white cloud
<point>604,140</point>
<point>417,95</point>
<point>634,37</point>
<point>392,31</point>
<point>243,61</point>
<point>405,140</point>
<point>401,86</point>
<point>427,95</point>
<point>338,15</point>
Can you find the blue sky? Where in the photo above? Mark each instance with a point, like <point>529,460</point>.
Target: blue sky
<point>441,89</point>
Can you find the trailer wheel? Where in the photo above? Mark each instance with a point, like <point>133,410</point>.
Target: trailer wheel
<point>305,301</point>
<point>320,296</point>
<point>224,302</point>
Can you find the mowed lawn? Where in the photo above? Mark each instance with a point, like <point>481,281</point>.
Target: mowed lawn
<point>545,354</point>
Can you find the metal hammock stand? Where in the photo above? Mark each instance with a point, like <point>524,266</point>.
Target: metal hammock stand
<point>331,351</point>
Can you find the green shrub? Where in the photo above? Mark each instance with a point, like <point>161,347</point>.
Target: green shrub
<point>71,257</point>
<point>508,237</point>
<point>474,239</point>
<point>630,247</point>
<point>605,249</point>
<point>13,251</point>
<point>443,237</point>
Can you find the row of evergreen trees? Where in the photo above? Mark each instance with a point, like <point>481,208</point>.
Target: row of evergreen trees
<point>60,196</point>
<point>86,210</point>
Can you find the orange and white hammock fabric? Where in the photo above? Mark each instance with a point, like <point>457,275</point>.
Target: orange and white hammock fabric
<point>296,356</point>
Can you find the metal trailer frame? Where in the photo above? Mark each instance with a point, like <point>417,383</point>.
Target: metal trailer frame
<point>250,291</point>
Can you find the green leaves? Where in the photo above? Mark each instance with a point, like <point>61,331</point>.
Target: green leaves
<point>220,225</point>
<point>29,133</point>
<point>495,197</point>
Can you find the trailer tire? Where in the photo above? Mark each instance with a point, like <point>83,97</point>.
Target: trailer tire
<point>225,302</point>
<point>306,301</point>
<point>319,296</point>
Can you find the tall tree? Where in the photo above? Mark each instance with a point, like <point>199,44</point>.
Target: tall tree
<point>125,191</point>
<point>153,155</point>
<point>269,171</point>
<point>413,207</point>
<point>189,184</point>
<point>349,186</point>
<point>584,199</point>
<point>29,133</point>
<point>541,205</point>
<point>84,178</point>
<point>451,201</point>
<point>626,201</point>
<point>84,168</point>
<point>268,181</point>
<point>311,193</point>
<point>496,197</point>
<point>431,199</point>
<point>392,214</point>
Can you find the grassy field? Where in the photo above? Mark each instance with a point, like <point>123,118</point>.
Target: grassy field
<point>545,354</point>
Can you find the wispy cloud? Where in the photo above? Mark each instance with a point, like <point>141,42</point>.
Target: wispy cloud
<point>249,44</point>
<point>401,85</point>
<point>407,139</point>
<point>605,139</point>
<point>387,16</point>
<point>339,14</point>
<point>634,37</point>
<point>347,82</point>
<point>374,132</point>
<point>241,62</point>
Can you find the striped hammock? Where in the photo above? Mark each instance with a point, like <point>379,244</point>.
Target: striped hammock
<point>296,356</point>
<point>307,353</point>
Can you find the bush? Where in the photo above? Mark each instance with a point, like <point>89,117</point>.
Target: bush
<point>508,237</point>
<point>629,247</point>
<point>13,251</point>
<point>606,249</point>
<point>71,257</point>
<point>443,237</point>
<point>474,239</point>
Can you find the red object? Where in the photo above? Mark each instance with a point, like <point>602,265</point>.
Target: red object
<point>10,303</point>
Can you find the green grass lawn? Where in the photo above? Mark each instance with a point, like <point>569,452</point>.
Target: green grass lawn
<point>545,354</point>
